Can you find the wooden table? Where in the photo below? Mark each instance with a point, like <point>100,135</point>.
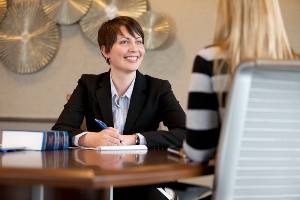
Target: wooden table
<point>79,169</point>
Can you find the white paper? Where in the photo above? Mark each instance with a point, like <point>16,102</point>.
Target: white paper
<point>118,148</point>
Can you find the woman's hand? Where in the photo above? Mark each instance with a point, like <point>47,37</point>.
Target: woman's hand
<point>128,139</point>
<point>107,137</point>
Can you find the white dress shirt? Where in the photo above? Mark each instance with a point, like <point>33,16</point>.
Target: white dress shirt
<point>120,105</point>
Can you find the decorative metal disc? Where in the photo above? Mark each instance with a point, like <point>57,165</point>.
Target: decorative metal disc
<point>66,11</point>
<point>3,8</point>
<point>156,29</point>
<point>103,10</point>
<point>28,39</point>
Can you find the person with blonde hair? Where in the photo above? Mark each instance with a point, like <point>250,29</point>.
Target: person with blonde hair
<point>245,29</point>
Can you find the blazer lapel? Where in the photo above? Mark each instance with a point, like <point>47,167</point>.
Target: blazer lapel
<point>103,94</point>
<point>137,101</point>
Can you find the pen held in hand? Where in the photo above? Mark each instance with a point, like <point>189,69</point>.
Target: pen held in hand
<point>103,125</point>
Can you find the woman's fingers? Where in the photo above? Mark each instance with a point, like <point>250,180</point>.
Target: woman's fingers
<point>112,136</point>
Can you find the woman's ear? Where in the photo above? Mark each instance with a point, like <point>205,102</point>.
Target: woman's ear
<point>103,51</point>
<point>105,54</point>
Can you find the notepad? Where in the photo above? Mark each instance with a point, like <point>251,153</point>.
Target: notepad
<point>119,148</point>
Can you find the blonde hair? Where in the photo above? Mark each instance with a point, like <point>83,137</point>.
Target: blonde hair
<point>250,29</point>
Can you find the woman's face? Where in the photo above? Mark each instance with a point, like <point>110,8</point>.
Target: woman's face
<point>127,52</point>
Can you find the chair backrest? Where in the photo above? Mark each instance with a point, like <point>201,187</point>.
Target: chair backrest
<point>259,150</point>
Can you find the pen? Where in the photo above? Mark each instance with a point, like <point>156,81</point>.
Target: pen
<point>177,152</point>
<point>101,123</point>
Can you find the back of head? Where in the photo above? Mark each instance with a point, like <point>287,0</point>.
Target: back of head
<point>251,29</point>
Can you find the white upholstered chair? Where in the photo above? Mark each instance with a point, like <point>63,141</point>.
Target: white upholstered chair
<point>259,149</point>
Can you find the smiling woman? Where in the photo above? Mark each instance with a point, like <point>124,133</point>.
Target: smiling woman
<point>130,103</point>
<point>126,54</point>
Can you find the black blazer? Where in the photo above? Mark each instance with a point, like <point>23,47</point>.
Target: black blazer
<point>152,101</point>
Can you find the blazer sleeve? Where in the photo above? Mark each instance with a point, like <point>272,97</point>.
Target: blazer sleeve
<point>173,116</point>
<point>72,115</point>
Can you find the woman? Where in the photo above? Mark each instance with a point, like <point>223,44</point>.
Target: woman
<point>245,29</point>
<point>131,104</point>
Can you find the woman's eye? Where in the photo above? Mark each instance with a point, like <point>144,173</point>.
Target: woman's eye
<point>139,42</point>
<point>123,42</point>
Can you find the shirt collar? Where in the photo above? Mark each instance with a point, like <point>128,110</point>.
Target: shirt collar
<point>128,92</point>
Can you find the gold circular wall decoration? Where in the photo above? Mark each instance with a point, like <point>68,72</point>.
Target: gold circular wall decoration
<point>103,10</point>
<point>66,11</point>
<point>28,39</point>
<point>3,7</point>
<point>156,29</point>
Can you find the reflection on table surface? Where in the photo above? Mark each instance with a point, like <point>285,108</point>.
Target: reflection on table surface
<point>89,168</point>
<point>109,160</point>
<point>80,158</point>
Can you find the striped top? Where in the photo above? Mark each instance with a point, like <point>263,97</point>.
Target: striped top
<point>204,112</point>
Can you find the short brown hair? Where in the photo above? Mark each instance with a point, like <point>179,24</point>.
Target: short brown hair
<point>107,34</point>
